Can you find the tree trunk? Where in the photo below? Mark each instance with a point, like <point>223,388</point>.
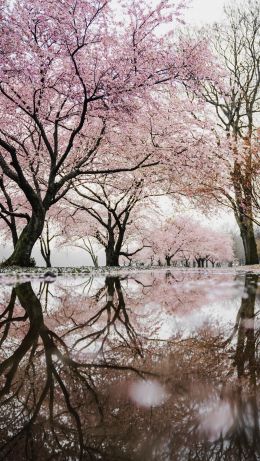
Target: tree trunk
<point>168,260</point>
<point>199,262</point>
<point>47,259</point>
<point>45,252</point>
<point>21,255</point>
<point>249,243</point>
<point>14,231</point>
<point>243,209</point>
<point>112,252</point>
<point>112,258</point>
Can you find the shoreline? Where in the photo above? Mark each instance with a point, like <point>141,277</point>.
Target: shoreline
<point>53,272</point>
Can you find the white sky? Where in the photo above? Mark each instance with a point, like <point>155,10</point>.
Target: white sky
<point>204,11</point>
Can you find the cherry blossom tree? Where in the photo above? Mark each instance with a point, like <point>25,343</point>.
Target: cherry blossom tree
<point>184,239</point>
<point>71,79</point>
<point>110,211</point>
<point>214,247</point>
<point>181,146</point>
<point>172,238</point>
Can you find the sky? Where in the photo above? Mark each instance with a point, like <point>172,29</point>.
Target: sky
<point>204,11</point>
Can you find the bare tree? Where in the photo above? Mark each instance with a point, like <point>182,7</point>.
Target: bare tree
<point>237,106</point>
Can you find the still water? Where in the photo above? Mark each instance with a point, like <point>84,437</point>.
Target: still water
<point>159,366</point>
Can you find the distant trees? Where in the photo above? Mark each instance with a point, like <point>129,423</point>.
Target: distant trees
<point>184,240</point>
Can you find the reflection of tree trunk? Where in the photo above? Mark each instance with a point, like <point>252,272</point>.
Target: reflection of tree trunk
<point>118,315</point>
<point>34,311</point>
<point>51,377</point>
<point>245,357</point>
<point>9,311</point>
<point>245,350</point>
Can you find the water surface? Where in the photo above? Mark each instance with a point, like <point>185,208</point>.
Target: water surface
<point>142,367</point>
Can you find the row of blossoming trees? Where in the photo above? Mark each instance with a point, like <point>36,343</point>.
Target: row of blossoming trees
<point>184,241</point>
<point>102,113</point>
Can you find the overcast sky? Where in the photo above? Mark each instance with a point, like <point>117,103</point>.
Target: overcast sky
<point>204,11</point>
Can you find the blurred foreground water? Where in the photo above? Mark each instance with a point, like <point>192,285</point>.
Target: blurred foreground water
<point>142,367</point>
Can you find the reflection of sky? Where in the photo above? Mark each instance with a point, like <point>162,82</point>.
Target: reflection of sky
<point>219,304</point>
<point>180,305</point>
<point>220,315</point>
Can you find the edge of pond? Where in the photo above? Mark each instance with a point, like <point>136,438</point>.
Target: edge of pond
<point>52,273</point>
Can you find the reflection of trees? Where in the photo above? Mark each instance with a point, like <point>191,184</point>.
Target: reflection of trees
<point>64,377</point>
<point>224,402</point>
<point>242,439</point>
<point>32,392</point>
<point>47,394</point>
<point>247,336</point>
<point>246,435</point>
<point>110,320</point>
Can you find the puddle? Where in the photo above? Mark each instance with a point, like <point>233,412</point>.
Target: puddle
<point>142,367</point>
